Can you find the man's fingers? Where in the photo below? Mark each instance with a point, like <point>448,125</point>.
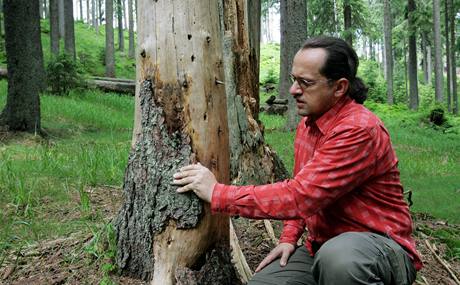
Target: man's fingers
<point>191,167</point>
<point>284,258</point>
<point>185,173</point>
<point>182,181</point>
<point>184,189</point>
<point>267,260</point>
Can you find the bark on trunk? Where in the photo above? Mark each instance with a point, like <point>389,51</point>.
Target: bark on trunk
<point>251,160</point>
<point>293,27</point>
<point>448,59</point>
<point>131,29</point>
<point>54,26</point>
<point>95,16</point>
<point>81,10</point>
<point>61,18</point>
<point>121,41</point>
<point>388,55</point>
<point>452,56</point>
<point>347,22</point>
<point>109,40</point>
<point>161,234</point>
<point>253,26</point>
<point>425,57</point>
<point>437,52</point>
<point>1,24</point>
<point>88,13</point>
<point>41,8</point>
<point>69,40</point>
<point>25,65</point>
<point>100,13</point>
<point>413,87</point>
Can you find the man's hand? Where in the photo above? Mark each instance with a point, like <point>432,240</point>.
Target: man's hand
<point>196,178</point>
<point>283,249</point>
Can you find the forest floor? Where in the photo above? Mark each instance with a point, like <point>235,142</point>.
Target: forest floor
<point>75,260</point>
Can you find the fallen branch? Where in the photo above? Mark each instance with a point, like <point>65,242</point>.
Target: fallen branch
<point>442,262</point>
<point>239,260</point>
<point>270,231</point>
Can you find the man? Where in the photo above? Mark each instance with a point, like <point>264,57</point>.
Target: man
<point>346,189</point>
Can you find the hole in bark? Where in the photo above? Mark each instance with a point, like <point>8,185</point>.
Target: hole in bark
<point>200,262</point>
<point>189,36</point>
<point>205,116</point>
<point>193,57</point>
<point>208,39</point>
<point>143,54</point>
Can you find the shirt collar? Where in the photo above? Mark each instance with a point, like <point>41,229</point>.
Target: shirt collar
<point>326,120</point>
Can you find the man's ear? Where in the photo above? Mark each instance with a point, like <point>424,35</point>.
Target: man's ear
<point>341,87</point>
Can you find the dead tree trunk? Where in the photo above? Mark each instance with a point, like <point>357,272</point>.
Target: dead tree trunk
<point>162,234</point>
<point>252,161</point>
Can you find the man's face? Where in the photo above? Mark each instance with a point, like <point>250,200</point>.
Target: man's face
<point>313,92</point>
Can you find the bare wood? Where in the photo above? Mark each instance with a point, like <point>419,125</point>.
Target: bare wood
<point>178,102</point>
<point>442,262</point>
<point>270,231</point>
<point>239,259</point>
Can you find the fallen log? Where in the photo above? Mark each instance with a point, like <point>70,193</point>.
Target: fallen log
<point>119,85</point>
<point>128,87</point>
<point>274,109</point>
<point>112,79</point>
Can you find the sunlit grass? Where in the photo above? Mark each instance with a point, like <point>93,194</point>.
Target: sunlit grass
<point>43,180</point>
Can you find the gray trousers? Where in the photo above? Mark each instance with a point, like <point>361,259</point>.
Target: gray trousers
<point>350,258</point>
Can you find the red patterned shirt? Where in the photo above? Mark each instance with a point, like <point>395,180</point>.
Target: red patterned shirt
<point>345,179</point>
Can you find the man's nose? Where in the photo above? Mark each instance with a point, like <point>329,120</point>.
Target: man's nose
<point>295,89</point>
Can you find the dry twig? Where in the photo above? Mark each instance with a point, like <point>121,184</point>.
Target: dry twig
<point>442,262</point>
<point>238,257</point>
<point>270,231</point>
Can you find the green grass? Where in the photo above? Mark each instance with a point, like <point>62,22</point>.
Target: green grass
<point>43,182</point>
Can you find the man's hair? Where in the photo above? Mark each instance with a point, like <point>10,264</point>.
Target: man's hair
<point>341,62</point>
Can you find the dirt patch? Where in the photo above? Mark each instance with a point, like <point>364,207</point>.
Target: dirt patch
<point>67,260</point>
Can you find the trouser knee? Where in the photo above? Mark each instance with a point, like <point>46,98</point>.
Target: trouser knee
<point>345,259</point>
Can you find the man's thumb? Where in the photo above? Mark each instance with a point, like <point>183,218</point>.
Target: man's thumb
<point>284,258</point>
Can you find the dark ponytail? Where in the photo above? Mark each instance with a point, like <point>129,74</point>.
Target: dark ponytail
<point>341,62</point>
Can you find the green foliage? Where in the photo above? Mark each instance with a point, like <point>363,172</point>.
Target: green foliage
<point>426,96</point>
<point>88,46</point>
<point>103,248</point>
<point>63,74</point>
<point>372,76</point>
<point>269,64</point>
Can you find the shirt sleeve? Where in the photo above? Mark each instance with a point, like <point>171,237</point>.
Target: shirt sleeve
<point>345,160</point>
<point>292,231</point>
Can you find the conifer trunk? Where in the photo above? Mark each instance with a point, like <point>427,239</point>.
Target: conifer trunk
<point>109,40</point>
<point>25,66</point>
<point>69,39</point>
<point>54,26</point>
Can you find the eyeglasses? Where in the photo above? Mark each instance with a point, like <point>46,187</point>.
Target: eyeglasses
<point>304,83</point>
